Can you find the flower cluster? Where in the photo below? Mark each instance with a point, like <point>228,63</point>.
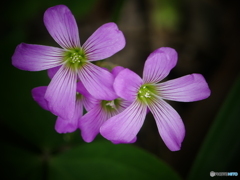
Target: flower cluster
<point>116,101</point>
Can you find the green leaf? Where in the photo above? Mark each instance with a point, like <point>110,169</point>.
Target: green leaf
<point>220,150</point>
<point>104,160</point>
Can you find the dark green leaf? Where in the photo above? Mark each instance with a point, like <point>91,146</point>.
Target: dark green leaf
<point>220,151</point>
<point>104,160</point>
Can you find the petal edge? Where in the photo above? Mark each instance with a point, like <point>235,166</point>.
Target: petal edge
<point>104,42</point>
<point>158,64</point>
<point>62,26</point>
<point>169,124</point>
<point>187,88</point>
<point>31,57</point>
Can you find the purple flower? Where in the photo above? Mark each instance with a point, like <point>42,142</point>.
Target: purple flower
<point>82,98</point>
<point>74,60</point>
<point>148,93</point>
<point>102,110</point>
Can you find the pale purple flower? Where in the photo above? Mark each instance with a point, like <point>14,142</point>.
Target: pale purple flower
<point>101,111</point>
<point>148,93</point>
<point>73,59</point>
<point>83,100</point>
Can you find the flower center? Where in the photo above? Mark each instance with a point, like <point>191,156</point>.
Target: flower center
<point>78,95</point>
<point>147,93</point>
<point>110,105</point>
<point>75,58</point>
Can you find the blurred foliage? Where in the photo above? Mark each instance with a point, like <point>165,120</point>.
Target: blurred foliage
<point>117,10</point>
<point>166,14</point>
<point>98,160</point>
<point>103,160</point>
<point>22,10</point>
<point>220,150</point>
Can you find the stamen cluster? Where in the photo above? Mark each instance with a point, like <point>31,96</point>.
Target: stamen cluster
<point>146,93</point>
<point>75,58</point>
<point>111,106</point>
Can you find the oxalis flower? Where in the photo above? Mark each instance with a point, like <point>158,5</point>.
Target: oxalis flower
<point>83,100</point>
<point>147,93</point>
<point>74,60</point>
<point>101,111</point>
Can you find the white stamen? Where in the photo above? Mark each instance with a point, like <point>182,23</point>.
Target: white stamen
<point>111,104</point>
<point>147,95</point>
<point>75,58</point>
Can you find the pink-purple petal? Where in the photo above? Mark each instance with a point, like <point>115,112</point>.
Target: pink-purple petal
<point>38,96</point>
<point>32,57</point>
<point>119,142</point>
<point>51,72</point>
<point>188,88</point>
<point>61,93</point>
<point>124,127</point>
<point>97,81</point>
<point>64,126</point>
<point>126,84</point>
<point>104,42</point>
<point>158,64</point>
<point>62,26</point>
<point>81,89</point>
<point>91,122</point>
<point>169,123</point>
<point>123,104</point>
<point>87,99</point>
<point>116,70</point>
<point>70,125</point>
<point>89,102</point>
<point>170,52</point>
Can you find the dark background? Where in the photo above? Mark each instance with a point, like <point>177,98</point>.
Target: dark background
<point>205,33</point>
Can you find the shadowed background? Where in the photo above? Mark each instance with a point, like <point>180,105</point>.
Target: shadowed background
<point>205,33</point>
